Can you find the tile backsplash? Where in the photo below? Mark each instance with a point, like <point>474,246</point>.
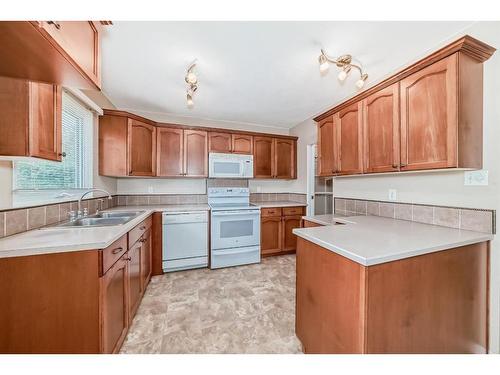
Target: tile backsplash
<point>479,220</point>
<point>19,220</point>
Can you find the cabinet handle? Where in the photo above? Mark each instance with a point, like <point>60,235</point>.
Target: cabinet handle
<point>403,165</point>
<point>142,227</point>
<point>63,154</point>
<point>142,240</point>
<point>117,250</point>
<point>128,259</point>
<point>394,166</point>
<point>55,24</point>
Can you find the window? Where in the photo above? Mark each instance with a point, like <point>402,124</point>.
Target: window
<point>75,169</point>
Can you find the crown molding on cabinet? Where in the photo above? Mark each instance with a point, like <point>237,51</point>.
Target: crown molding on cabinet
<point>113,112</point>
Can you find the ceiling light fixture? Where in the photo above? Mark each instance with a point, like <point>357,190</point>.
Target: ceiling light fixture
<point>192,84</point>
<point>343,62</point>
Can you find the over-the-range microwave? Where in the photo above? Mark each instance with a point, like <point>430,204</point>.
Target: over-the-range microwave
<point>230,165</point>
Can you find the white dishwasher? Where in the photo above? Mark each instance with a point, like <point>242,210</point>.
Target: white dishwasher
<point>185,240</point>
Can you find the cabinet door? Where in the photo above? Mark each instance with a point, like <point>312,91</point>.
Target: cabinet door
<point>81,41</point>
<point>348,127</point>
<point>195,153</point>
<point>429,117</point>
<point>270,235</point>
<point>113,145</point>
<point>141,148</point>
<point>114,306</point>
<point>45,126</point>
<point>219,142</point>
<point>327,149</point>
<point>263,157</point>
<point>289,239</point>
<point>381,130</point>
<point>170,150</point>
<point>242,144</point>
<point>135,278</point>
<point>146,258</point>
<point>284,158</point>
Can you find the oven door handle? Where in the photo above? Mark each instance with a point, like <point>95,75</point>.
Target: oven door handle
<point>236,213</point>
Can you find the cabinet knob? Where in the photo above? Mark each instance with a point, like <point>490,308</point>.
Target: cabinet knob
<point>128,259</point>
<point>63,154</point>
<point>394,166</point>
<point>142,227</point>
<point>55,24</point>
<point>403,165</point>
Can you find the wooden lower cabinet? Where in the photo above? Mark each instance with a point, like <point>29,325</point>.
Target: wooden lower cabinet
<point>79,302</point>
<point>135,277</point>
<point>433,303</point>
<point>276,229</point>
<point>270,235</point>
<point>115,305</point>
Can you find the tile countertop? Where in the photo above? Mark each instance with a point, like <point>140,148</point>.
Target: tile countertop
<point>58,240</point>
<point>370,240</point>
<point>278,204</point>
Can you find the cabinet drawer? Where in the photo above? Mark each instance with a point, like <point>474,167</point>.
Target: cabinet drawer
<point>112,253</point>
<point>288,211</point>
<point>270,211</point>
<point>138,231</point>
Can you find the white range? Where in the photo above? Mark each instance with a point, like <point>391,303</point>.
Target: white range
<point>235,227</point>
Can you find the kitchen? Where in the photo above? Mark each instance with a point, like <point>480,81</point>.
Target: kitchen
<point>197,209</point>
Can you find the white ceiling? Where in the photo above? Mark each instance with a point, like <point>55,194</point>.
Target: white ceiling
<point>253,72</point>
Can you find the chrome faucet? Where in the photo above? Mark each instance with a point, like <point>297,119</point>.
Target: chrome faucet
<point>79,213</point>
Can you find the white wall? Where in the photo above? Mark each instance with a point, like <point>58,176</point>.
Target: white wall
<point>440,187</point>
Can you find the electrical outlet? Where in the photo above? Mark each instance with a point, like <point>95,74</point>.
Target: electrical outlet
<point>476,178</point>
<point>393,194</point>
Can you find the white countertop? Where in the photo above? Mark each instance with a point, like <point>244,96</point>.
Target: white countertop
<point>278,204</point>
<point>58,240</point>
<point>370,240</point>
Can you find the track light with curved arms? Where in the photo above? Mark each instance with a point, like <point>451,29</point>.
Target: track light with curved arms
<point>343,62</point>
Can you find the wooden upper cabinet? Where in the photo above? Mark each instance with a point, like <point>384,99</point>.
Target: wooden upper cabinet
<point>219,142</point>
<point>327,165</point>
<point>348,128</point>
<point>285,158</point>
<point>242,143</point>
<point>170,151</point>
<point>381,130</point>
<point>141,148</point>
<point>263,157</point>
<point>230,143</point>
<point>429,117</point>
<point>195,153</point>
<point>80,39</point>
<point>113,132</point>
<point>61,52</point>
<point>31,119</point>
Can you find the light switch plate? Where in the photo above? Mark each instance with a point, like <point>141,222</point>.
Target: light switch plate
<point>393,194</point>
<point>476,178</point>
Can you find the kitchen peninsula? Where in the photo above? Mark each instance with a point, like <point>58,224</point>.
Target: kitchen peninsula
<point>369,284</point>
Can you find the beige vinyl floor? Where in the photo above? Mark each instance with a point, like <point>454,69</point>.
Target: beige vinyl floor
<point>246,309</point>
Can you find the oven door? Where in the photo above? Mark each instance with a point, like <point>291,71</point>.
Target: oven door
<point>238,228</point>
<point>225,168</point>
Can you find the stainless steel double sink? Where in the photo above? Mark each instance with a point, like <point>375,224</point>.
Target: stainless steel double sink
<point>101,219</point>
